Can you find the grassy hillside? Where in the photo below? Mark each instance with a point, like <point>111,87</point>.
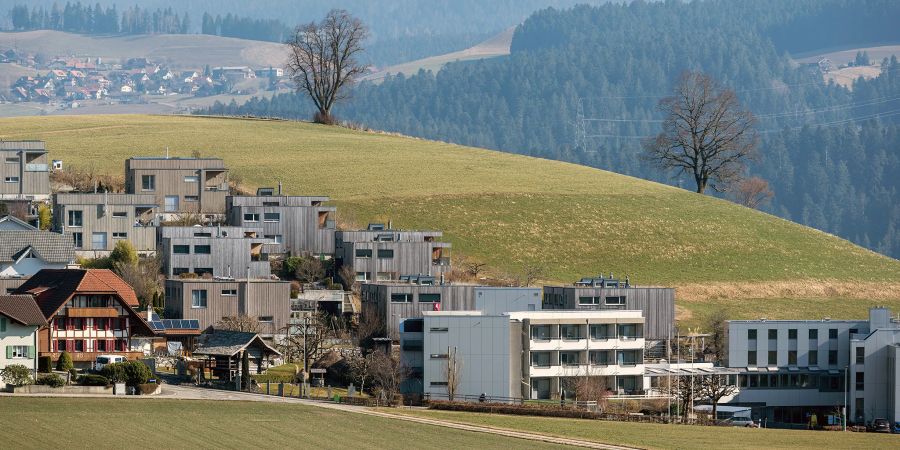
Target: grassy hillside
<point>510,211</point>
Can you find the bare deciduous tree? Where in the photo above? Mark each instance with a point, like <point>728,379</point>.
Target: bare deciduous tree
<point>591,389</point>
<point>323,59</point>
<point>143,276</point>
<point>309,270</point>
<point>453,372</point>
<point>705,133</point>
<point>531,273</point>
<point>240,322</point>
<point>387,373</point>
<point>752,192</point>
<point>715,388</point>
<point>307,340</point>
<point>717,346</point>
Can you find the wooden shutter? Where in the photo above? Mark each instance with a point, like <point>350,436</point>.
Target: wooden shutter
<point>31,351</point>
<point>9,351</point>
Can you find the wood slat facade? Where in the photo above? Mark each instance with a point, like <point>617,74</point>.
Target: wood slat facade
<point>192,185</point>
<point>302,225</point>
<point>233,251</point>
<point>258,298</point>
<point>117,216</point>
<point>24,170</point>
<point>411,253</point>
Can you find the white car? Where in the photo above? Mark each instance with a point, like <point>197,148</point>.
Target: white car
<point>103,360</point>
<point>741,422</point>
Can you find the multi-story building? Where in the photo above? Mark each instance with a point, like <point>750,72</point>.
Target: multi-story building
<point>301,225</point>
<point>89,312</point>
<point>24,170</point>
<point>217,251</point>
<point>791,370</point>
<point>180,185</point>
<point>20,319</point>
<point>211,300</point>
<point>25,251</point>
<point>395,301</point>
<point>607,293</point>
<point>97,221</point>
<point>379,254</point>
<point>526,354</point>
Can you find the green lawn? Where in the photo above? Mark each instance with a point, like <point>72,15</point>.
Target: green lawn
<point>645,435</point>
<point>505,210</point>
<point>42,423</point>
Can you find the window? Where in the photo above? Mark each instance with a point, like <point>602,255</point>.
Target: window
<point>569,331</point>
<point>588,300</point>
<point>179,270</point>
<point>79,345</point>
<point>203,234</point>
<point>203,270</point>
<point>202,249</point>
<point>616,301</point>
<point>120,235</point>
<point>860,355</point>
<point>438,329</point>
<point>383,276</point>
<point>751,335</point>
<point>429,298</point>
<point>854,331</point>
<point>171,203</point>
<point>599,358</point>
<point>629,357</point>
<point>385,253</point>
<point>191,198</point>
<point>266,319</point>
<point>276,238</point>
<point>100,324</point>
<point>75,218</point>
<point>363,253</point>
<point>272,217</point>
<point>181,249</point>
<point>198,298</point>
<point>11,179</point>
<point>751,357</point>
<point>540,332</point>
<point>603,331</point>
<point>271,203</point>
<point>362,276</point>
<point>439,356</point>
<point>628,331</point>
<point>438,383</point>
<point>78,240</point>
<point>401,298</point>
<point>832,357</point>
<point>18,351</point>
<point>773,358</point>
<point>148,182</point>
<point>832,333</point>
<point>568,358</point>
<point>120,214</point>
<point>251,217</point>
<point>860,381</point>
<point>12,160</point>
<point>191,179</point>
<point>773,334</point>
<point>100,345</point>
<point>813,357</point>
<point>813,334</point>
<point>792,357</point>
<point>229,292</point>
<point>540,359</point>
<point>792,333</point>
<point>98,241</point>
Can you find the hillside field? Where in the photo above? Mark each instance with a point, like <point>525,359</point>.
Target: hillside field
<point>512,211</point>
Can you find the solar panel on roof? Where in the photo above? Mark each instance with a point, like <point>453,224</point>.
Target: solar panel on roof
<point>156,325</point>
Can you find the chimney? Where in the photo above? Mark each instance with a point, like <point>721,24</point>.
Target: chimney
<point>149,312</point>
<point>279,188</point>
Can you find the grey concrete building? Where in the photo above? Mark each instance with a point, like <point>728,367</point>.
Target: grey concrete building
<point>180,185</point>
<point>526,354</point>
<point>794,369</point>
<point>97,221</point>
<point>395,301</point>
<point>24,170</point>
<point>302,225</point>
<point>380,254</point>
<point>210,300</point>
<point>218,251</point>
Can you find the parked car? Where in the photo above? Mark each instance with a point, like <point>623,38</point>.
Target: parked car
<point>741,422</point>
<point>881,426</point>
<point>103,360</point>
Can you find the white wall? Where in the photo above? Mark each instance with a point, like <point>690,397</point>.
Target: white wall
<point>28,267</point>
<point>17,334</point>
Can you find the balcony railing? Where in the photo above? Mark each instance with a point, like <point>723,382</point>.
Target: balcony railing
<point>92,312</point>
<point>35,167</point>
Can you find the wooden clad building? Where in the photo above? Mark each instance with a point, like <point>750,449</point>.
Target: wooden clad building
<point>180,185</point>
<point>24,170</point>
<point>217,251</point>
<point>379,254</point>
<point>98,221</point>
<point>302,225</point>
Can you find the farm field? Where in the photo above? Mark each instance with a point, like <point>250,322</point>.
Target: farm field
<point>158,423</point>
<point>657,436</point>
<point>511,211</point>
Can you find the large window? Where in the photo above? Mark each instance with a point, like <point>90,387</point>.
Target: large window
<point>198,298</point>
<point>75,218</point>
<point>616,301</point>
<point>19,351</point>
<point>568,358</point>
<point>272,217</point>
<point>429,298</point>
<point>202,249</point>
<point>401,298</point>
<point>570,331</point>
<point>181,249</point>
<point>363,253</point>
<point>813,357</point>
<point>629,357</point>
<point>599,357</point>
<point>751,334</point>
<point>751,357</point>
<point>251,217</point>
<point>773,358</point>
<point>540,359</point>
<point>98,241</point>
<point>628,331</point>
<point>540,332</point>
<point>171,203</point>
<point>148,182</point>
<point>603,331</point>
<point>588,300</point>
<point>78,240</point>
<point>385,253</point>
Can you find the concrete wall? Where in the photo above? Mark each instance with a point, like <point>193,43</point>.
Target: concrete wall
<point>739,344</point>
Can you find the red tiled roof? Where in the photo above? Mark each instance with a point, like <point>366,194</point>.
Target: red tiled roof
<point>105,280</point>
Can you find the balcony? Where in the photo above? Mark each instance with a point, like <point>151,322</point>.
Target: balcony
<point>92,312</point>
<point>36,167</point>
<point>443,261</point>
<point>585,369</point>
<point>220,187</point>
<point>92,356</point>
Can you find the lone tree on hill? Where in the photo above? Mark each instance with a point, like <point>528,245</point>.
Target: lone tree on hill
<point>705,133</point>
<point>322,59</point>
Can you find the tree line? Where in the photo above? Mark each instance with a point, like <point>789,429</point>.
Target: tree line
<point>83,18</point>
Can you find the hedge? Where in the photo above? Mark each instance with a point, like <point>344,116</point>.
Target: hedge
<point>131,373</point>
<point>52,380</point>
<point>273,378</point>
<point>522,410</point>
<point>93,380</point>
<point>147,388</point>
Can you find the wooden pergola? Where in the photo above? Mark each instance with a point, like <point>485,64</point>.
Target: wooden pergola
<point>224,350</point>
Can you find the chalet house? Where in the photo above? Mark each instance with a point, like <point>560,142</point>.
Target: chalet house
<point>210,300</point>
<point>383,254</point>
<point>20,320</point>
<point>214,251</point>
<point>24,170</point>
<point>26,252</point>
<point>301,225</point>
<point>89,312</point>
<point>181,185</point>
<point>97,221</point>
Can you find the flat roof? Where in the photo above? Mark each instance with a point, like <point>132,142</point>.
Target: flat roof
<point>799,321</point>
<point>570,314</point>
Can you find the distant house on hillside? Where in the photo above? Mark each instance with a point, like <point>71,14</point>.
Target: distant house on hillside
<point>26,252</point>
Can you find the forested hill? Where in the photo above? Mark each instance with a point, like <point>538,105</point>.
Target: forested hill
<point>582,85</point>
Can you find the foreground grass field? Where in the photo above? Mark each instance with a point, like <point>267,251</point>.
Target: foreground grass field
<point>508,211</point>
<point>153,423</point>
<point>645,435</point>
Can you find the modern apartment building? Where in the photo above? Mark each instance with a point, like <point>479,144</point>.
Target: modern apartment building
<point>395,301</point>
<point>230,252</point>
<point>211,300</point>
<point>792,370</point>
<point>608,293</point>
<point>24,170</point>
<point>180,185</point>
<point>381,254</point>
<point>97,221</point>
<point>301,225</point>
<point>526,354</point>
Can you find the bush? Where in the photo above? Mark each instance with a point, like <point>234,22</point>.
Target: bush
<point>273,378</point>
<point>45,364</point>
<point>115,373</point>
<point>64,363</point>
<point>73,374</point>
<point>16,375</point>
<point>147,388</point>
<point>52,380</point>
<point>131,373</point>
<point>93,380</point>
<point>123,253</point>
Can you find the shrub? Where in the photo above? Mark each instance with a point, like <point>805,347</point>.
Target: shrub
<point>45,364</point>
<point>115,373</point>
<point>93,380</point>
<point>273,378</point>
<point>131,373</point>
<point>73,374</point>
<point>147,388</point>
<point>52,380</point>
<point>16,375</point>
<point>123,253</point>
<point>64,363</point>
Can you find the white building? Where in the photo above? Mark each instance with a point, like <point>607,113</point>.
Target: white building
<point>20,319</point>
<point>792,370</point>
<point>527,354</point>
